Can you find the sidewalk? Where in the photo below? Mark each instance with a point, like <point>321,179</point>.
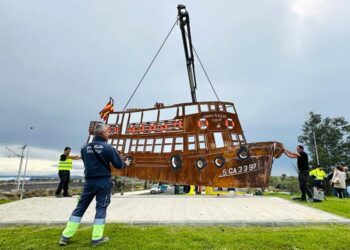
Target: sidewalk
<point>132,193</point>
<point>133,208</point>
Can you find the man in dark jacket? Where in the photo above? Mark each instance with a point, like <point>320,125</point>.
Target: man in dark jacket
<point>303,170</point>
<point>97,157</point>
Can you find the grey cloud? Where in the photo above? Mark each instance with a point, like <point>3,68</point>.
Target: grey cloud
<point>60,61</point>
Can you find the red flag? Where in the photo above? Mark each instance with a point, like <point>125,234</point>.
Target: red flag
<point>107,109</point>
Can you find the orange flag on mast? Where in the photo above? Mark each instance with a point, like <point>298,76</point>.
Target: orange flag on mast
<point>107,109</point>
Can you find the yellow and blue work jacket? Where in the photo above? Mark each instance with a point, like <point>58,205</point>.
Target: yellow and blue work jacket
<point>319,174</point>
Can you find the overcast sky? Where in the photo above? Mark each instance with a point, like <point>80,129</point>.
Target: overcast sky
<point>61,60</point>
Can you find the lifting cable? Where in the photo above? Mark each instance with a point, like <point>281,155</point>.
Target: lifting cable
<point>205,72</point>
<point>154,58</point>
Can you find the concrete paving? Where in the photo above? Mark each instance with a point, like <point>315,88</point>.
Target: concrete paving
<point>171,209</point>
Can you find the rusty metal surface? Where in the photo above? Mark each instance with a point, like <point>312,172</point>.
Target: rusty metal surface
<point>153,145</point>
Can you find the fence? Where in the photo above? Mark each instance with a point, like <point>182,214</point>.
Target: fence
<point>38,185</point>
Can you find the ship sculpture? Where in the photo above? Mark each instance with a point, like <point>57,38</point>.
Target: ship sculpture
<point>195,143</point>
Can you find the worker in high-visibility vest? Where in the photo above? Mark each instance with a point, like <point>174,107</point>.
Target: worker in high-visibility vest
<point>318,176</point>
<point>65,165</point>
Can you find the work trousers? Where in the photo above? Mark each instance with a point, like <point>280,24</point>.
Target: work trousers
<point>303,179</point>
<point>101,189</point>
<point>64,182</point>
<point>318,183</point>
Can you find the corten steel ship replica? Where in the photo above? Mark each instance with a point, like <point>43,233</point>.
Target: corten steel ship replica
<point>197,143</point>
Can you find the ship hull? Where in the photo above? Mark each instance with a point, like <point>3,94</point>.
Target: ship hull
<point>233,171</point>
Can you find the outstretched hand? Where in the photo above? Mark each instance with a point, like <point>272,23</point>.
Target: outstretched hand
<point>127,162</point>
<point>74,157</point>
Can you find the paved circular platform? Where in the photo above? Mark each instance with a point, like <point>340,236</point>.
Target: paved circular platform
<point>172,209</point>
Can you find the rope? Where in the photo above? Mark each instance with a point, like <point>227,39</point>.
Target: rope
<point>144,75</point>
<point>205,72</point>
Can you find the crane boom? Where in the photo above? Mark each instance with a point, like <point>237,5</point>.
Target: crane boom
<point>184,21</point>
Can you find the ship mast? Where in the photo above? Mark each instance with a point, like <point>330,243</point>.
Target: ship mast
<point>184,21</point>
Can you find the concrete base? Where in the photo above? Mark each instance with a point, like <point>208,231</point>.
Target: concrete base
<point>172,209</point>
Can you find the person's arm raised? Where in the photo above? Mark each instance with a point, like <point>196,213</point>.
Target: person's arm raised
<point>74,157</point>
<point>291,154</point>
<point>115,159</point>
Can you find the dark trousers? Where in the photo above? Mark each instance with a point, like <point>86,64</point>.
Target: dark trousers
<point>318,184</point>
<point>340,192</point>
<point>64,182</point>
<point>303,179</point>
<point>101,188</point>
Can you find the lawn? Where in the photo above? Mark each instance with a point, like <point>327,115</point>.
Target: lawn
<point>183,237</point>
<point>331,204</point>
<point>3,201</point>
<point>191,237</point>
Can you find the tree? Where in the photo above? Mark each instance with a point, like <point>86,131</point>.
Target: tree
<point>332,137</point>
<point>285,183</point>
<point>283,177</point>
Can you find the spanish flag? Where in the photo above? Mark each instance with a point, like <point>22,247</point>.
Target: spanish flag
<point>107,109</point>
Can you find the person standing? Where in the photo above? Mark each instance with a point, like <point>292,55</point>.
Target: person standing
<point>329,178</point>
<point>318,176</point>
<point>303,170</point>
<point>339,181</point>
<point>347,172</point>
<point>65,165</point>
<point>98,157</point>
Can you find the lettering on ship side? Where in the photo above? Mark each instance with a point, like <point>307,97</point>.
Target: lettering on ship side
<point>215,118</point>
<point>239,170</point>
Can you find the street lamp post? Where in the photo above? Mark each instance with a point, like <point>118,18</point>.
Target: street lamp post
<point>25,166</point>
<point>20,163</point>
<point>20,167</point>
<point>316,151</point>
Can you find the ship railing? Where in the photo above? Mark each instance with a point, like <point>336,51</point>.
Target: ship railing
<point>175,125</point>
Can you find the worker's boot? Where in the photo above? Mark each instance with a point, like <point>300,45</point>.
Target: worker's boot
<point>100,241</point>
<point>63,241</point>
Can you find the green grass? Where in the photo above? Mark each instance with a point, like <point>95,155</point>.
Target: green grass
<point>331,204</point>
<point>190,237</point>
<point>3,201</point>
<point>183,237</point>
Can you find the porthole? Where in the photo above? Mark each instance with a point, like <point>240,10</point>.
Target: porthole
<point>201,163</point>
<point>243,153</point>
<point>219,161</point>
<point>175,162</point>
